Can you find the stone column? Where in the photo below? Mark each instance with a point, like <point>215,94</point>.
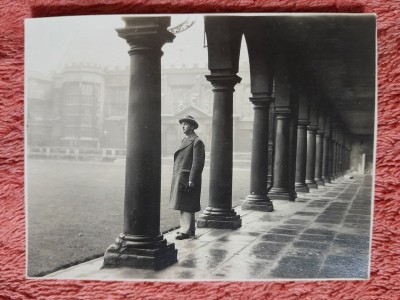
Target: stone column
<point>293,145</point>
<point>281,177</point>
<point>334,152</point>
<point>301,152</point>
<point>342,151</point>
<point>311,149</point>
<point>258,199</point>
<point>325,160</point>
<point>341,160</point>
<point>330,158</point>
<point>337,168</point>
<point>337,173</point>
<point>319,147</point>
<point>339,153</point>
<point>141,245</point>
<point>325,154</point>
<point>311,143</point>
<point>219,213</point>
<point>286,107</point>
<point>301,157</point>
<point>271,138</point>
<point>334,161</point>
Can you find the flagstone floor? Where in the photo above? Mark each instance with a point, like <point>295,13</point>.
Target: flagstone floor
<point>323,234</point>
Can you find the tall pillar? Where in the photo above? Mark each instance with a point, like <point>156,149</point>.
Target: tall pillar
<point>319,147</point>
<point>341,160</point>
<point>347,151</point>
<point>331,159</point>
<point>337,174</point>
<point>301,153</point>
<point>281,176</point>
<point>271,138</point>
<point>334,151</point>
<point>311,151</point>
<point>334,161</point>
<point>285,98</point>
<point>311,145</point>
<point>337,169</point>
<point>301,157</point>
<point>219,213</point>
<point>293,144</point>
<point>325,155</point>
<point>339,153</point>
<point>261,59</point>
<point>258,198</point>
<point>342,151</point>
<point>141,245</point>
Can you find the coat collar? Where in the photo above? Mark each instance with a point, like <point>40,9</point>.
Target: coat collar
<point>187,141</point>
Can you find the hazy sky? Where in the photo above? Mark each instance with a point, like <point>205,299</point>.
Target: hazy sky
<point>53,42</point>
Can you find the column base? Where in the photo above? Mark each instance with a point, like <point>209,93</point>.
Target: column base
<point>326,179</point>
<point>219,218</point>
<point>140,253</point>
<point>301,188</point>
<point>257,202</point>
<point>281,194</point>
<point>319,181</point>
<point>311,184</point>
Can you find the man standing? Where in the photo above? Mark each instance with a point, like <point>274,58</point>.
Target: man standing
<point>186,178</point>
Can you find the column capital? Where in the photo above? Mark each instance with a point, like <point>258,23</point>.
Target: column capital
<point>312,127</point>
<point>282,112</point>
<point>302,122</point>
<point>261,101</point>
<point>223,81</point>
<point>145,34</point>
<point>320,132</point>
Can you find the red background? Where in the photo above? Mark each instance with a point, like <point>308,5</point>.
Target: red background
<point>385,275</point>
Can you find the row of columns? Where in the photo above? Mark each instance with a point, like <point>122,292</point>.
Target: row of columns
<point>296,144</point>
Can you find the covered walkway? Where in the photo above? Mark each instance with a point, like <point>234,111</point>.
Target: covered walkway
<point>313,93</point>
<point>324,234</point>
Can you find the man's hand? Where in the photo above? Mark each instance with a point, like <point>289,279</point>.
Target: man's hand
<point>187,187</point>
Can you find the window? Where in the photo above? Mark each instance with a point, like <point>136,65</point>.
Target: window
<point>86,109</point>
<point>71,109</point>
<point>71,88</point>
<point>70,131</point>
<point>72,99</point>
<point>86,120</point>
<point>117,101</point>
<point>86,131</point>
<point>87,89</point>
<point>181,96</point>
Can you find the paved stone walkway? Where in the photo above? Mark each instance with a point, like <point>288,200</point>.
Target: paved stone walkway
<point>323,234</point>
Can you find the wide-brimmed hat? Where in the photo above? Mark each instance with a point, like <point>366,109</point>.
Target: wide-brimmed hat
<point>190,120</point>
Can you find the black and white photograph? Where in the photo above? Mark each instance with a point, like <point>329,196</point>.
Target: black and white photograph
<point>200,146</point>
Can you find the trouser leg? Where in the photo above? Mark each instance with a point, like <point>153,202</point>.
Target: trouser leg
<point>187,222</point>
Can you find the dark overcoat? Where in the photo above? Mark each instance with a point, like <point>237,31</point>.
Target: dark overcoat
<point>188,166</point>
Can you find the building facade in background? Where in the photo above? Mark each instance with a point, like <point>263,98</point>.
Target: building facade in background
<point>85,107</point>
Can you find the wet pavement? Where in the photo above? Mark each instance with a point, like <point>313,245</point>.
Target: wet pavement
<point>323,234</point>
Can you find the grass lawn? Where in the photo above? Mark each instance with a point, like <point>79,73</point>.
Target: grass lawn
<point>75,209</point>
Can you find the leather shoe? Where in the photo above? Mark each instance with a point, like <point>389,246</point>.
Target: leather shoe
<point>182,236</point>
<point>191,233</point>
